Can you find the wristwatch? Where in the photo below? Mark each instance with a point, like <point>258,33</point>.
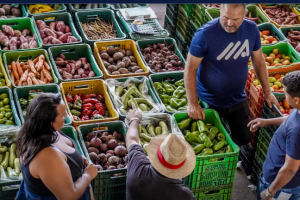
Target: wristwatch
<point>132,119</point>
<point>269,194</point>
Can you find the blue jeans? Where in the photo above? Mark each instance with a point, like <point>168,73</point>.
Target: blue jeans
<point>263,184</point>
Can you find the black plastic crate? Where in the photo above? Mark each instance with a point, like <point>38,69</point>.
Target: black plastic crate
<point>170,26</point>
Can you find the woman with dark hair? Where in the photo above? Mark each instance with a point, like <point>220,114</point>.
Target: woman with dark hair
<point>51,164</point>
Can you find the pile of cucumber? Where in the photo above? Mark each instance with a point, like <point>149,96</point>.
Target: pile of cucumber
<point>10,164</point>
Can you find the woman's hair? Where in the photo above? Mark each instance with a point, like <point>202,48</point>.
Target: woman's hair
<point>37,131</point>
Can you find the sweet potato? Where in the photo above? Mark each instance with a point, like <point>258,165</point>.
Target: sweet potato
<point>67,30</point>
<point>64,37</point>
<point>7,9</point>
<point>91,74</point>
<point>23,39</point>
<point>52,26</point>
<point>72,68</point>
<point>17,33</point>
<point>60,26</point>
<point>78,64</point>
<point>42,34</point>
<point>4,41</point>
<point>8,30</point>
<point>2,12</point>
<point>49,32</point>
<point>58,34</point>
<point>54,40</point>
<point>45,40</point>
<point>26,32</point>
<point>67,75</point>
<point>16,12</point>
<point>24,46</point>
<point>13,42</point>
<point>72,39</point>
<point>40,24</point>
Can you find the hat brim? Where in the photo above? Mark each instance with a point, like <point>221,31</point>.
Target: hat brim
<point>183,171</point>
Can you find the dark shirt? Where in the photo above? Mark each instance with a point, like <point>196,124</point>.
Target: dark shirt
<point>145,183</point>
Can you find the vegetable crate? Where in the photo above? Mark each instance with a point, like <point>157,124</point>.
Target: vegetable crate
<point>124,44</point>
<point>285,30</point>
<point>256,12</point>
<point>63,9</point>
<point>73,10</point>
<point>24,56</point>
<point>247,156</point>
<point>104,15</point>
<point>273,22</point>
<point>198,18</point>
<point>23,92</point>
<point>14,112</point>
<point>144,43</point>
<point>159,31</point>
<point>106,185</point>
<point>215,193</point>
<point>172,14</point>
<point>183,23</point>
<point>9,188</point>
<point>212,14</point>
<point>7,81</point>
<point>254,135</point>
<point>23,10</point>
<point>169,26</point>
<point>150,92</point>
<point>117,7</point>
<point>208,173</point>
<point>54,17</point>
<point>20,24</point>
<point>187,8</point>
<point>71,132</point>
<point>199,10</point>
<point>73,52</point>
<point>182,45</point>
<point>263,144</point>
<point>89,87</point>
<point>170,77</point>
<point>273,32</point>
<point>256,170</point>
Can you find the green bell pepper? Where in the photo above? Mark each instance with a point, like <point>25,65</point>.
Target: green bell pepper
<point>23,103</point>
<point>185,132</point>
<point>184,96</point>
<point>213,133</point>
<point>221,137</point>
<point>77,104</point>
<point>3,96</point>
<point>70,105</point>
<point>214,142</point>
<point>184,124</point>
<point>179,83</point>
<point>193,138</point>
<point>183,108</point>
<point>168,87</point>
<point>198,148</point>
<point>220,145</point>
<point>159,88</point>
<point>201,127</point>
<point>75,112</point>
<point>205,140</point>
<point>206,151</point>
<point>209,125</point>
<point>31,96</point>
<point>165,98</point>
<point>97,116</point>
<point>229,148</point>
<point>178,92</point>
<point>194,126</point>
<point>170,109</point>
<point>9,122</point>
<point>177,103</point>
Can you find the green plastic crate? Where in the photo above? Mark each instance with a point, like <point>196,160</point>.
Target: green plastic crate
<point>256,12</point>
<point>212,13</point>
<point>65,17</point>
<point>183,17</point>
<point>23,10</point>
<point>150,92</point>
<point>105,186</point>
<point>188,8</point>
<point>172,77</point>
<point>159,31</point>
<point>286,30</point>
<point>264,137</point>
<point>20,24</point>
<point>103,14</point>
<point>199,10</point>
<point>16,118</point>
<point>169,26</point>
<point>113,7</point>
<point>216,193</point>
<point>24,56</point>
<point>73,52</point>
<point>198,19</point>
<point>23,92</point>
<point>71,132</point>
<point>181,42</point>
<point>207,173</point>
<point>63,9</point>
<point>73,10</point>
<point>144,43</point>
<point>171,14</point>
<point>273,31</point>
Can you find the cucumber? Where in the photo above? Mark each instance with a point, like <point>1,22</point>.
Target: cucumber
<point>164,127</point>
<point>158,130</point>
<point>12,155</point>
<point>3,149</point>
<point>1,157</point>
<point>11,172</point>
<point>17,166</point>
<point>2,171</point>
<point>4,163</point>
<point>150,129</point>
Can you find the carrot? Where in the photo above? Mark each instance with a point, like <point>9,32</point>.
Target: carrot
<point>36,60</point>
<point>40,63</point>
<point>29,81</point>
<point>24,76</point>
<point>46,80</point>
<point>42,75</point>
<point>31,65</point>
<point>17,82</point>
<point>47,75</point>
<point>34,81</point>
<point>24,67</point>
<point>9,66</point>
<point>25,83</point>
<point>20,70</point>
<point>20,83</point>
<point>47,66</point>
<point>31,75</point>
<point>12,77</point>
<point>41,82</point>
<point>14,69</point>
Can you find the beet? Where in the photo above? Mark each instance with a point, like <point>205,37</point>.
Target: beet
<point>111,152</point>
<point>109,138</point>
<point>99,168</point>
<point>120,151</point>
<point>114,160</point>
<point>89,136</point>
<point>95,142</point>
<point>122,144</point>
<point>93,156</point>
<point>120,166</point>
<point>111,167</point>
<point>87,144</point>
<point>119,136</point>
<point>112,144</point>
<point>104,148</point>
<point>93,149</point>
<point>108,155</point>
<point>105,134</point>
<point>115,134</point>
<point>102,158</point>
<point>104,139</point>
<point>125,159</point>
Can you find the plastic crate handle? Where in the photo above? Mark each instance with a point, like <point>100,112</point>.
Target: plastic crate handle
<point>293,55</point>
<point>12,24</point>
<point>25,58</point>
<point>50,19</point>
<point>78,87</point>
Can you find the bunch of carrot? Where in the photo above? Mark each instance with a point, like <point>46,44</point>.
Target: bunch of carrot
<point>32,72</point>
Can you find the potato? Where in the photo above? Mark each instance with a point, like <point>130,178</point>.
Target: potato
<point>130,68</point>
<point>112,68</point>
<point>106,64</point>
<point>132,58</point>
<point>139,71</point>
<point>128,52</point>
<point>123,71</point>
<point>133,64</point>
<point>135,68</point>
<point>2,12</point>
<point>118,56</point>
<point>127,61</point>
<point>121,65</point>
<point>110,60</point>
<point>104,56</point>
<point>111,51</point>
<point>122,51</point>
<point>7,9</point>
<point>16,12</point>
<point>115,73</point>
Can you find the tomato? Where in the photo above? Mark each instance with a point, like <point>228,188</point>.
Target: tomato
<point>266,32</point>
<point>270,38</point>
<point>277,76</point>
<point>280,103</point>
<point>275,87</point>
<point>260,33</point>
<point>282,110</point>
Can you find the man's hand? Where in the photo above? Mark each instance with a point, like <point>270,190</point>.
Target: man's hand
<point>270,98</point>
<point>256,123</point>
<point>134,113</point>
<point>85,162</point>
<point>195,111</point>
<point>263,195</point>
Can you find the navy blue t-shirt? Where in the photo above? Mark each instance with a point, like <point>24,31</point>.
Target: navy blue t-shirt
<point>222,74</point>
<point>286,141</point>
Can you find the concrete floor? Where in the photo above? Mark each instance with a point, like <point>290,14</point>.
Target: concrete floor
<point>240,188</point>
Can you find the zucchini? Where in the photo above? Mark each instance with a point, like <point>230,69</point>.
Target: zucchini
<point>164,127</point>
<point>158,130</point>
<point>4,163</point>
<point>17,166</point>
<point>2,172</point>
<point>12,154</point>
<point>3,149</point>
<point>1,157</point>
<point>150,129</point>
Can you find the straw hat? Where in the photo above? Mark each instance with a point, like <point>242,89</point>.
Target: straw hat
<point>171,156</point>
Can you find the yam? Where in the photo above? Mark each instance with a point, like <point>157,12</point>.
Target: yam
<point>112,68</point>
<point>2,12</point>
<point>104,56</point>
<point>60,26</point>
<point>7,9</point>
<point>41,24</point>
<point>118,56</point>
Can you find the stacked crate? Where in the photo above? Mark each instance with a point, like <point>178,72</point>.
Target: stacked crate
<point>171,18</point>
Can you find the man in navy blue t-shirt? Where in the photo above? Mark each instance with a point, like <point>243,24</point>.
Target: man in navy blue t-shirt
<point>281,172</point>
<point>217,69</point>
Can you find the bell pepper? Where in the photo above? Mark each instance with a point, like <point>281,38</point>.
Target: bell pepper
<point>198,148</point>
<point>220,145</point>
<point>201,127</point>
<point>23,103</point>
<point>205,140</point>
<point>184,96</point>
<point>165,98</point>
<point>177,103</point>
<point>228,149</point>
<point>184,124</point>
<point>75,112</point>
<point>178,92</point>
<point>76,118</point>
<point>24,113</point>
<point>220,151</point>
<point>213,133</point>
<point>69,98</point>
<point>101,98</point>
<point>70,105</point>
<point>77,104</point>
<point>170,109</point>
<point>206,151</point>
<point>87,96</point>
<point>193,138</point>
<point>194,126</point>
<point>168,87</point>
<point>208,125</point>
<point>9,122</point>
<point>90,100</point>
<point>76,97</point>
<point>31,96</point>
<point>221,137</point>
<point>214,141</point>
<point>86,112</point>
<point>88,105</point>
<point>95,112</point>
<point>183,108</point>
<point>99,107</point>
<point>80,95</point>
<point>179,83</point>
<point>3,96</point>
<point>85,118</point>
<point>159,88</point>
<point>185,132</point>
<point>97,116</point>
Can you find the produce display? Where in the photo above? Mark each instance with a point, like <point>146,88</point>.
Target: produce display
<point>2,79</point>
<point>204,138</point>
<point>11,39</point>
<point>25,102</point>
<point>107,150</point>
<point>71,69</point>
<point>213,5</point>
<point>87,107</point>
<point>282,15</point>
<point>43,8</point>
<point>285,108</point>
<point>293,38</point>
<point>10,163</point>
<point>9,11</point>
<point>120,61</point>
<point>275,82</point>
<point>266,38</point>
<point>6,115</point>
<point>120,6</point>
<point>87,6</point>
<point>32,72</point>
<point>56,33</point>
<point>99,30</point>
<point>162,58</point>
<point>249,17</point>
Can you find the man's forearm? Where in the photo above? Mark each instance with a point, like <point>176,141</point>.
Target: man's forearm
<point>283,177</point>
<point>132,135</point>
<point>262,75</point>
<point>275,121</point>
<point>190,80</point>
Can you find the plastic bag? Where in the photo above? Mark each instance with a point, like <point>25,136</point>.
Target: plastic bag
<point>8,133</point>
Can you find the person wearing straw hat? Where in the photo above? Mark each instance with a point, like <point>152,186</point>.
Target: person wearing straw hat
<point>158,177</point>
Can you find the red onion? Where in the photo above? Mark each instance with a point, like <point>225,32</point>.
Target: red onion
<point>95,142</point>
